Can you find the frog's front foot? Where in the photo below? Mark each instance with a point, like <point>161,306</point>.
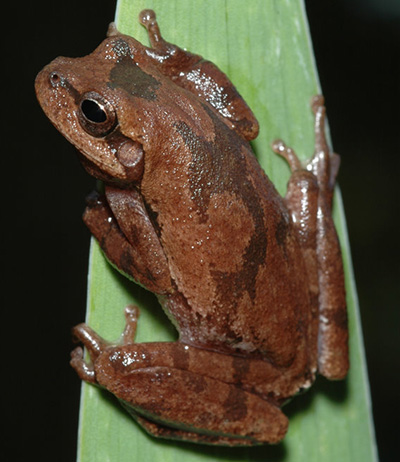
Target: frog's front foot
<point>148,19</point>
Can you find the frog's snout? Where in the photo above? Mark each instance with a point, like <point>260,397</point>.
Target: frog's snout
<point>52,76</point>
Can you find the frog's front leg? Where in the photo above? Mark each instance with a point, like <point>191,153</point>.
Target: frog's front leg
<point>121,225</point>
<point>176,391</point>
<point>309,199</point>
<point>201,77</point>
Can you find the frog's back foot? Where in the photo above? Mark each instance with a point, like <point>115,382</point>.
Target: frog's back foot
<point>324,164</point>
<point>287,153</point>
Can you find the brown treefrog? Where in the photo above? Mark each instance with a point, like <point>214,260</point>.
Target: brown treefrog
<point>252,281</point>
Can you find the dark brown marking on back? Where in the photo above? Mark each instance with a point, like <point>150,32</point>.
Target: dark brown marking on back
<point>220,166</point>
<point>126,74</point>
<point>281,233</point>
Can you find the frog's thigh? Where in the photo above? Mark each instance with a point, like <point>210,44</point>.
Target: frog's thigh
<point>152,273</point>
<point>189,401</point>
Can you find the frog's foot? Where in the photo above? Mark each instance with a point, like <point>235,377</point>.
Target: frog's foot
<point>83,369</point>
<point>112,30</point>
<point>324,164</point>
<point>131,319</point>
<point>287,153</point>
<point>95,344</point>
<point>148,19</point>
<point>190,71</point>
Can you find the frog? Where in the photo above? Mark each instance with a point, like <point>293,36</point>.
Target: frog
<point>252,281</point>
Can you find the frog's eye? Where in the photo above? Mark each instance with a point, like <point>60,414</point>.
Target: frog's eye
<point>96,114</point>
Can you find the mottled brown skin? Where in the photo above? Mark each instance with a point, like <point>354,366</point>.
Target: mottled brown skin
<point>252,281</point>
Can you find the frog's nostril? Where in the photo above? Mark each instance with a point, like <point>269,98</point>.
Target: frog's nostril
<point>55,78</point>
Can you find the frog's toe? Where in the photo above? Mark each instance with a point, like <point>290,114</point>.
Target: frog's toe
<point>84,370</point>
<point>90,339</point>
<point>131,318</point>
<point>94,199</point>
<point>287,153</point>
<point>317,102</point>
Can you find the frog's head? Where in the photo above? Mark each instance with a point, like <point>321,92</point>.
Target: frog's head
<point>99,103</point>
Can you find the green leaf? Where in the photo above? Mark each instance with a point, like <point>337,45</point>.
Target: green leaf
<point>265,48</point>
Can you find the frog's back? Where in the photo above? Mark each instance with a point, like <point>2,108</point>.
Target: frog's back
<point>232,253</point>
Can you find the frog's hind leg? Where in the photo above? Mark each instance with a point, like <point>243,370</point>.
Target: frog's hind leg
<point>161,431</point>
<point>180,392</point>
<point>179,404</point>
<point>309,199</point>
<point>333,361</point>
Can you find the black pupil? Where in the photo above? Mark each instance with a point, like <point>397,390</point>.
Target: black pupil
<point>93,111</point>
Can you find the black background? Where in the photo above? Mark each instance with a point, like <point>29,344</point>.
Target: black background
<point>45,244</point>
